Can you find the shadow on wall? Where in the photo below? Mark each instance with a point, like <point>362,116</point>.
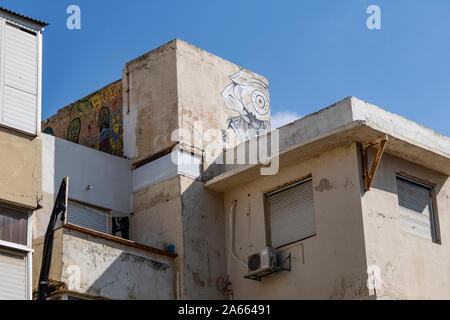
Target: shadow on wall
<point>203,222</point>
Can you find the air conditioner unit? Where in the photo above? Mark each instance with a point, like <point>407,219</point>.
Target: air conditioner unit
<point>262,263</point>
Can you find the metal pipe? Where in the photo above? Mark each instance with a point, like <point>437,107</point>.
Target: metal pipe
<point>232,253</point>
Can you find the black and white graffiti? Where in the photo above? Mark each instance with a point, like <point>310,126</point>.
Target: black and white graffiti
<point>249,97</point>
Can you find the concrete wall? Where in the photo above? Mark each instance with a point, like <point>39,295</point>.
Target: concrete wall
<point>204,254</point>
<point>96,121</point>
<point>157,220</point>
<point>202,79</point>
<point>405,266</point>
<point>150,102</point>
<point>179,86</point>
<point>99,267</point>
<point>329,265</point>
<point>20,169</point>
<point>109,176</point>
<point>181,212</point>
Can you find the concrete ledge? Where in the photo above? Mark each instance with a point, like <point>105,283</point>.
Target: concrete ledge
<point>120,240</point>
<point>348,121</point>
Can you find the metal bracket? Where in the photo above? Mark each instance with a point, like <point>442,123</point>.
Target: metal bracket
<point>368,176</point>
<point>280,267</point>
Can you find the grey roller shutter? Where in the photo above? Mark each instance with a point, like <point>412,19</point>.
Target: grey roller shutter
<point>416,210</point>
<point>291,213</point>
<point>19,104</point>
<point>87,217</point>
<point>13,276</point>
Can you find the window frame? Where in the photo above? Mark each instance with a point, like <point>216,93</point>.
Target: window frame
<point>434,219</point>
<point>267,215</point>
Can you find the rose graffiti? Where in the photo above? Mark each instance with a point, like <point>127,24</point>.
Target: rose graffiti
<point>249,96</point>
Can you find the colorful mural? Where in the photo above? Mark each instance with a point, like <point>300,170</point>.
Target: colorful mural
<point>94,121</point>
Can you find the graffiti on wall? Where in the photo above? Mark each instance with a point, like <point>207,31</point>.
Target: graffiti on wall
<point>105,128</point>
<point>49,131</point>
<point>94,121</point>
<point>73,131</point>
<point>249,97</point>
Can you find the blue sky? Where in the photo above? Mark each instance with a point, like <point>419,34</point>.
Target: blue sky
<point>314,52</point>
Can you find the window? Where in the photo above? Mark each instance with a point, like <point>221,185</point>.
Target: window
<point>19,81</point>
<point>15,254</point>
<point>416,208</point>
<point>87,217</point>
<point>13,226</point>
<point>290,213</point>
<point>13,275</point>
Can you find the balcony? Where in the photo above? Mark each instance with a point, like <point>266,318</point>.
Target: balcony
<point>91,265</point>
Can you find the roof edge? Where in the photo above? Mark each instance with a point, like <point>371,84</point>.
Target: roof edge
<point>40,23</point>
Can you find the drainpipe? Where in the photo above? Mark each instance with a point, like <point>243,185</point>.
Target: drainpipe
<point>231,252</point>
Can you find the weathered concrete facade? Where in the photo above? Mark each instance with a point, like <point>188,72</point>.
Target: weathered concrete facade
<point>180,88</point>
<point>20,149</point>
<point>329,265</point>
<point>410,267</point>
<point>359,250</point>
<point>21,171</point>
<point>90,265</point>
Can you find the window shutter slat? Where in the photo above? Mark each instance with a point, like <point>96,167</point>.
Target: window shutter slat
<point>292,214</point>
<point>20,79</point>
<point>416,215</point>
<point>13,276</point>
<point>87,217</point>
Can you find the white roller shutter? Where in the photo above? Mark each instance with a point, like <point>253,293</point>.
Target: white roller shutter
<point>87,217</point>
<point>416,210</point>
<point>291,212</point>
<point>20,59</point>
<point>13,276</point>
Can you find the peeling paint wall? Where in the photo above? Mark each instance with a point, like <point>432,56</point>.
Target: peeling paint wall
<point>95,121</point>
<point>20,169</point>
<point>102,268</point>
<point>408,266</point>
<point>329,265</point>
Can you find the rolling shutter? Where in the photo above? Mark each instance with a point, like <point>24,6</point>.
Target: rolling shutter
<point>416,212</point>
<point>87,217</point>
<point>13,276</point>
<point>20,78</point>
<point>291,213</point>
